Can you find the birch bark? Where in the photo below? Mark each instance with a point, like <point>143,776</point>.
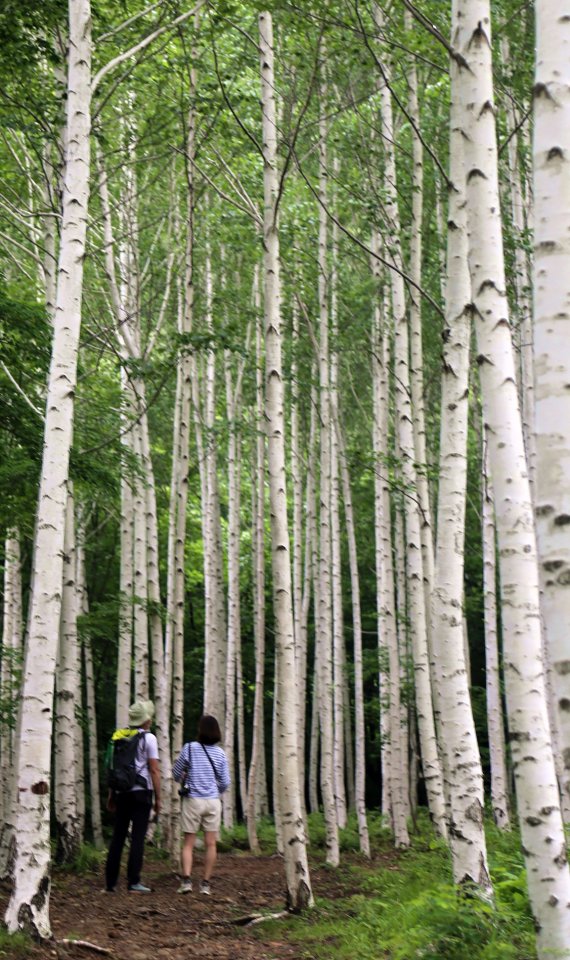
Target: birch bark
<point>418,620</point>
<point>256,768</point>
<point>495,719</point>
<point>459,749</point>
<point>29,904</point>
<point>552,352</point>
<point>90,702</point>
<point>324,637</point>
<point>535,777</point>
<point>295,852</point>
<point>67,702</point>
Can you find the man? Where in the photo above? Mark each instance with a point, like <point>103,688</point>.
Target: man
<point>132,807</point>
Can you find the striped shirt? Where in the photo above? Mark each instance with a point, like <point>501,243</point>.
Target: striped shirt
<point>195,768</point>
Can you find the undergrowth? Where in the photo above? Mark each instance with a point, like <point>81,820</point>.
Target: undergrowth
<point>14,945</point>
<point>407,907</point>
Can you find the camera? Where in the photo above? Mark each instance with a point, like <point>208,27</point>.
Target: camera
<point>184,791</point>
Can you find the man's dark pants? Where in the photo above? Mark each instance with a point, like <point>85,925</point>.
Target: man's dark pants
<point>133,808</point>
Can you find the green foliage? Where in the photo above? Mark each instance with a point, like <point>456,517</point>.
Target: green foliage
<point>14,945</point>
<point>407,908</point>
<point>88,860</point>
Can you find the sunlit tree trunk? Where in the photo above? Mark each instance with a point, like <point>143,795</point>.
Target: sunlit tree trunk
<point>396,774</point>
<point>215,650</point>
<point>551,348</point>
<point>10,679</point>
<point>340,708</point>
<point>324,628</point>
<point>535,777</point>
<point>29,904</point>
<point>416,338</point>
<point>233,671</point>
<point>495,719</point>
<point>294,843</point>
<point>300,621</point>
<point>459,749</point>
<point>257,768</point>
<point>90,702</point>
<point>67,702</point>
<point>359,728</point>
<point>431,765</point>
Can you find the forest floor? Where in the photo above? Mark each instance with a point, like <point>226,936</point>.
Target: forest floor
<point>166,926</point>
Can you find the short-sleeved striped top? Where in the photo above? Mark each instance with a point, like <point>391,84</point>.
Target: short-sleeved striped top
<point>193,765</point>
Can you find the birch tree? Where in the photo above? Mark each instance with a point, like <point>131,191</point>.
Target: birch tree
<point>551,348</point>
<point>29,903</point>
<point>295,852</point>
<point>535,777</point>
<point>459,749</point>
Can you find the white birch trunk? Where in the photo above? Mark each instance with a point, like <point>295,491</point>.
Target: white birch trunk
<point>294,843</point>
<point>300,621</point>
<point>66,702</point>
<point>257,768</point>
<point>431,765</point>
<point>215,647</point>
<point>551,347</point>
<point>416,338</point>
<point>535,777</point>
<point>29,904</point>
<point>341,709</point>
<point>324,628</point>
<point>90,702</point>
<point>463,773</point>
<point>359,728</point>
<point>10,683</point>
<point>123,693</point>
<point>141,689</point>
<point>495,719</point>
<point>396,774</point>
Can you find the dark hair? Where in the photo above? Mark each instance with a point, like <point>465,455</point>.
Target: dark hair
<point>209,730</point>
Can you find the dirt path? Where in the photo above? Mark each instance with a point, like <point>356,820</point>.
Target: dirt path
<point>167,926</point>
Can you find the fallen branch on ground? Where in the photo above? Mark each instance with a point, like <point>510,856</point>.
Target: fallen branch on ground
<point>248,921</point>
<point>86,944</point>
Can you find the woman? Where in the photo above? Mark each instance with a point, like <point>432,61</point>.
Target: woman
<point>202,769</point>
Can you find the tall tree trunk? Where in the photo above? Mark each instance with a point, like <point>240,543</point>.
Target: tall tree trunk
<point>67,702</point>
<point>552,351</point>
<point>215,647</point>
<point>463,773</point>
<point>296,866</point>
<point>257,768</point>
<point>359,728</point>
<point>431,764</point>
<point>340,708</point>
<point>396,774</point>
<point>535,776</point>
<point>324,629</point>
<point>10,683</point>
<point>90,703</point>
<point>495,720</point>
<point>29,904</point>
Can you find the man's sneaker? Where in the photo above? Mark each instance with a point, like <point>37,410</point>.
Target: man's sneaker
<point>185,885</point>
<point>205,887</point>
<point>139,888</point>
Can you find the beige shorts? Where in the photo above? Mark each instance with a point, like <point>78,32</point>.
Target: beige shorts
<point>198,813</point>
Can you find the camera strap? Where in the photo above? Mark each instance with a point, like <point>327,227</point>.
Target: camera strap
<point>188,765</point>
<point>211,762</point>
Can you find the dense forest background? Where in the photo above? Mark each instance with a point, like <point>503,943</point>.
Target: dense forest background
<point>278,199</point>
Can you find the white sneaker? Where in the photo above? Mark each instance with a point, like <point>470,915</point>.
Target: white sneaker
<point>205,887</point>
<point>185,885</point>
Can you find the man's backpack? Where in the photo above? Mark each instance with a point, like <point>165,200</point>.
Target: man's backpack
<point>120,761</point>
